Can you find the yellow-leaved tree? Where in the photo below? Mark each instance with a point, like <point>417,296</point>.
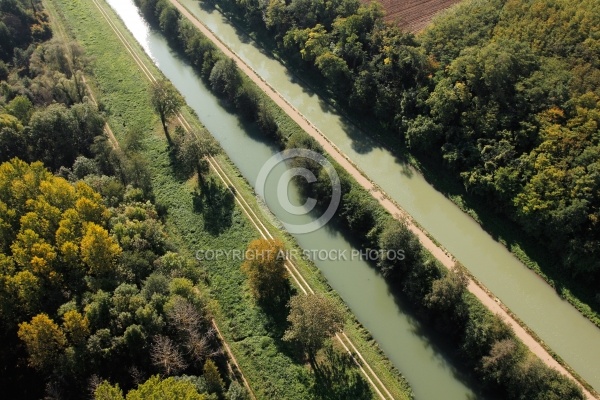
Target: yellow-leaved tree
<point>76,327</point>
<point>44,339</point>
<point>99,251</point>
<point>265,267</point>
<point>51,234</point>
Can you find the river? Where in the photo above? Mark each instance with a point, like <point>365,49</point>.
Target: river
<point>407,344</point>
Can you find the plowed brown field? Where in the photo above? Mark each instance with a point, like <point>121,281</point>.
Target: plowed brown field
<point>413,15</point>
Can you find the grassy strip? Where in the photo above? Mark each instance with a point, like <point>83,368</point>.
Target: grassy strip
<point>123,91</point>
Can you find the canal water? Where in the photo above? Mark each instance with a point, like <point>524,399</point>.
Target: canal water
<point>406,343</point>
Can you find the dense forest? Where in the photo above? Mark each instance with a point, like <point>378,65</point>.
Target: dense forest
<point>91,289</point>
<point>483,342</point>
<point>504,93</point>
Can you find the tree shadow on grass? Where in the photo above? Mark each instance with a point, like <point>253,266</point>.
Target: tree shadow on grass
<point>216,203</point>
<point>336,377</point>
<point>208,5</point>
<point>277,311</point>
<point>181,171</point>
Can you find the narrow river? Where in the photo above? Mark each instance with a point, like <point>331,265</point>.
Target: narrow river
<point>414,352</point>
<point>561,326</point>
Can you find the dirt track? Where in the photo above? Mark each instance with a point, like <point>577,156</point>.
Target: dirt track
<point>490,301</point>
<point>413,15</point>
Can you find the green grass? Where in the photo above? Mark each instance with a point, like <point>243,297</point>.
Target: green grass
<point>122,90</point>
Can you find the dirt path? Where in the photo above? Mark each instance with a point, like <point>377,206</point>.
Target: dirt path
<point>488,299</point>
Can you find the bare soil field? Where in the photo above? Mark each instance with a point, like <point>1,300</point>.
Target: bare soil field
<point>413,15</point>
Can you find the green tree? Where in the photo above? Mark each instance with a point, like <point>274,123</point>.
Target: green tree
<point>166,101</point>
<point>21,107</point>
<point>50,136</point>
<point>276,16</point>
<point>168,20</point>
<point>394,238</point>
<point>500,365</point>
<point>313,319</point>
<point>446,301</point>
<point>211,374</point>
<point>469,24</point>
<point>193,150</point>
<point>57,135</point>
<point>352,32</point>
<point>224,78</point>
<point>246,101</point>
<point>423,133</point>
<point>446,292</point>
<point>84,166</point>
<point>334,68</point>
<point>12,144</point>
<point>266,121</point>
<point>482,330</point>
<point>136,172</point>
<point>358,208</point>
<point>236,392</point>
<point>534,380</point>
<point>312,42</point>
